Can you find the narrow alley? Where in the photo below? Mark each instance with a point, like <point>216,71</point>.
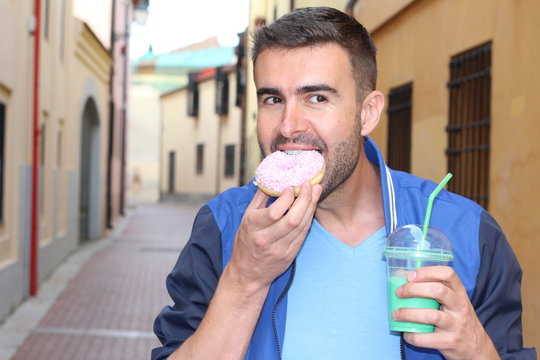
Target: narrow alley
<point>107,309</point>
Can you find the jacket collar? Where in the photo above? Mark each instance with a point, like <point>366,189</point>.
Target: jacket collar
<point>375,156</point>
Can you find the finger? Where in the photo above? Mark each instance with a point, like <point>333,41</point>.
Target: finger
<point>301,212</point>
<point>271,214</point>
<point>295,223</point>
<point>298,235</point>
<point>259,201</point>
<point>315,194</point>
<point>432,340</point>
<point>438,273</point>
<point>435,317</point>
<point>430,290</point>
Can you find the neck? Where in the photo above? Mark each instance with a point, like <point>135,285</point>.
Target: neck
<point>354,210</point>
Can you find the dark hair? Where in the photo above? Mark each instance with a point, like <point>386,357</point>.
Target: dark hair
<point>314,26</point>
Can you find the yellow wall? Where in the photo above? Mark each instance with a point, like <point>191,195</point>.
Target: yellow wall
<point>90,71</point>
<point>15,94</point>
<point>416,45</point>
<point>182,133</point>
<point>143,144</point>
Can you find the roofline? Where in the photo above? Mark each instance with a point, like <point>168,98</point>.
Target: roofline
<point>173,91</point>
<point>94,36</point>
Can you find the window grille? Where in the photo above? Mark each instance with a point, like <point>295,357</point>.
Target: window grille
<point>399,127</point>
<point>200,159</point>
<point>229,160</point>
<point>469,123</point>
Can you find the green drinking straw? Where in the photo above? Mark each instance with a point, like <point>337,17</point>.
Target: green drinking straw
<point>429,209</point>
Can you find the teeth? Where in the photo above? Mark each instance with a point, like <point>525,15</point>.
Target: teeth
<point>293,152</point>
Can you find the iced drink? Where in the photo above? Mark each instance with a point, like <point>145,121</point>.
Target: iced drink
<point>406,251</point>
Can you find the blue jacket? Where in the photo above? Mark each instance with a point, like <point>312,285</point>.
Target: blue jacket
<point>483,261</point>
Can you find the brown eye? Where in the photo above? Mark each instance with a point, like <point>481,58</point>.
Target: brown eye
<point>272,100</point>
<point>317,99</point>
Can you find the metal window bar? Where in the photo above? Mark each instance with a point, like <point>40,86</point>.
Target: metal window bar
<point>469,123</point>
<point>399,127</point>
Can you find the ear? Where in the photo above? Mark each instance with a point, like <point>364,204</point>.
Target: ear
<point>372,107</point>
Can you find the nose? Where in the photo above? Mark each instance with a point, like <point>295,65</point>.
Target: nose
<point>293,121</point>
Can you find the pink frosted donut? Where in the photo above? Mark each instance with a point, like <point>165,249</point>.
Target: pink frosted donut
<point>281,169</point>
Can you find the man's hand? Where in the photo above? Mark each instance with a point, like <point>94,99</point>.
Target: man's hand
<point>269,238</point>
<point>458,333</point>
<point>266,243</point>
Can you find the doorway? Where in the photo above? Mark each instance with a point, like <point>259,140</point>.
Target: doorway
<point>89,180</point>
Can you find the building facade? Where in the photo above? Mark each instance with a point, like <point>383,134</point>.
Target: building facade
<point>460,81</point>
<point>200,137</point>
<point>55,76</point>
<point>156,167</point>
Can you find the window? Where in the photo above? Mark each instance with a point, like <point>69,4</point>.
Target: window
<point>469,123</point>
<point>59,149</point>
<point>193,95</point>
<point>200,158</point>
<point>46,19</point>
<point>229,160</point>
<point>399,128</point>
<point>2,157</point>
<point>222,92</point>
<point>62,30</point>
<point>172,171</point>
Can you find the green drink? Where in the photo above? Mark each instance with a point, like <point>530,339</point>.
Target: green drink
<point>406,250</point>
<point>411,303</point>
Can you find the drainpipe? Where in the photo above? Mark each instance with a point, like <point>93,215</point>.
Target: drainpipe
<point>34,249</point>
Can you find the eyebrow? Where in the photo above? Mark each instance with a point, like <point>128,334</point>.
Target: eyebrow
<point>314,88</point>
<point>267,91</point>
<point>301,90</point>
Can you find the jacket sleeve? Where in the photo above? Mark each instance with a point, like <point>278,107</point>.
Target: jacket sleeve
<point>497,294</point>
<point>191,285</point>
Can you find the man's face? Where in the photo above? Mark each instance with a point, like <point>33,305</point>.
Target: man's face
<point>307,100</point>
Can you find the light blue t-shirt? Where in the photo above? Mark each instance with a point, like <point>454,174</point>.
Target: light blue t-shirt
<point>337,305</point>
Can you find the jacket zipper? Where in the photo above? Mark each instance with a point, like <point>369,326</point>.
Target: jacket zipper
<point>402,347</point>
<point>280,298</point>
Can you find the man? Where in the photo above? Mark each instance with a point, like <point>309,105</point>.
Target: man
<point>303,278</point>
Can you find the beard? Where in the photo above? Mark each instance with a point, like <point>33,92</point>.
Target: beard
<point>340,160</point>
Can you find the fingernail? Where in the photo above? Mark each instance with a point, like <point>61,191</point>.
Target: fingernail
<point>411,275</point>
<point>399,291</point>
<point>395,314</point>
<point>317,189</point>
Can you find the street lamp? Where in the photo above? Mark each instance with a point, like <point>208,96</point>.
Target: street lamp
<point>140,14</point>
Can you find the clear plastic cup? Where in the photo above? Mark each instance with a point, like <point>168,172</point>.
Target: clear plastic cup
<point>405,251</point>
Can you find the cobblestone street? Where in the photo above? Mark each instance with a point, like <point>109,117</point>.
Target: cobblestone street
<point>106,310</point>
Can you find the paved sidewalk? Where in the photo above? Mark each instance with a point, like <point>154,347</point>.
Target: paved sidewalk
<point>101,303</point>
